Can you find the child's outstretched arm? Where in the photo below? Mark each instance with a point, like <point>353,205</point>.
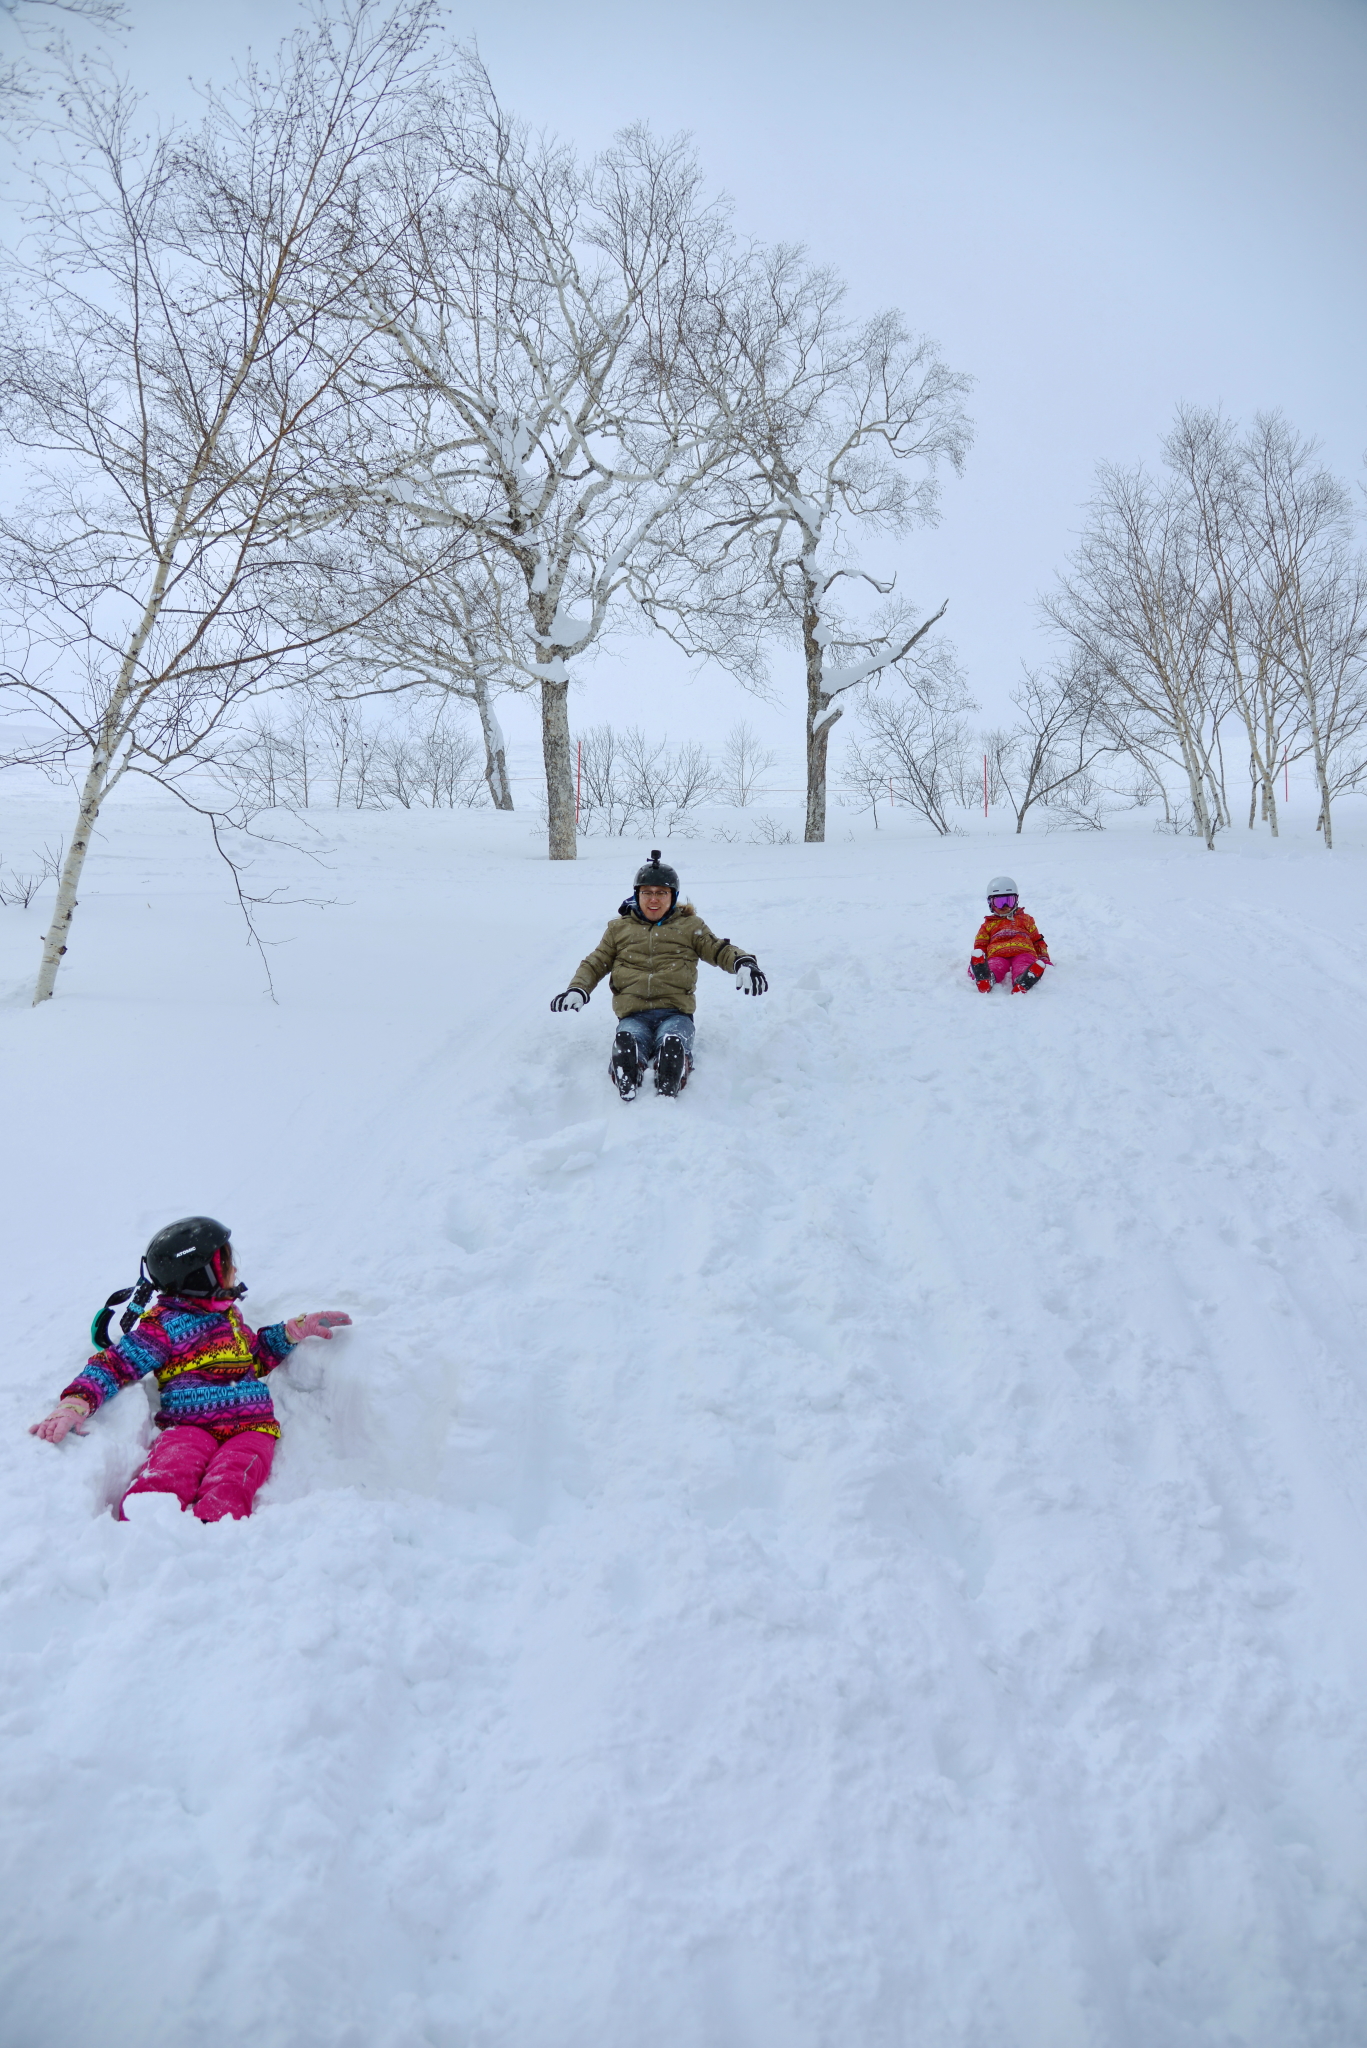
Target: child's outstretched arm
<point>319,1322</point>
<point>70,1413</point>
<point>103,1376</point>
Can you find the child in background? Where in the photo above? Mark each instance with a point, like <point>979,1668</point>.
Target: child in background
<point>218,1428</point>
<point>1008,942</point>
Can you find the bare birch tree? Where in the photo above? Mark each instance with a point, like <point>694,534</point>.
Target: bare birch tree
<point>1139,607</point>
<point>1057,739</point>
<point>441,625</point>
<point>324,750</point>
<point>1301,519</point>
<point>915,743</point>
<point>1232,592</point>
<point>743,764</point>
<point>184,405</point>
<point>534,318</point>
<point>1206,452</point>
<point>839,431</point>
<point>627,779</point>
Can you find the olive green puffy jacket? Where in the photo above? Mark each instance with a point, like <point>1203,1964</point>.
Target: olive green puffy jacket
<point>655,966</point>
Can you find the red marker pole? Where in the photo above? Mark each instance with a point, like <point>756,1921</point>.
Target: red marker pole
<point>984,785</point>
<point>578,779</point>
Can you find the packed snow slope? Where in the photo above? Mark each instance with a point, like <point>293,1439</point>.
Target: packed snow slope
<point>868,1555</point>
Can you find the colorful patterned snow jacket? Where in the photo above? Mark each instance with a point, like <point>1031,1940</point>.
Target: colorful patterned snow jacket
<point>654,966</point>
<point>1002,936</point>
<point>210,1367</point>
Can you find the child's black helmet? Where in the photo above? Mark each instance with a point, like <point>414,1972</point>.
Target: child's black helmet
<point>180,1258</point>
<point>656,874</point>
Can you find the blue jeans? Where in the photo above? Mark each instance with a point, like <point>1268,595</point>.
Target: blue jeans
<point>649,1027</point>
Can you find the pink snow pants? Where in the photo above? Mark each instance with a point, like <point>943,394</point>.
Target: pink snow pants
<point>213,1478</point>
<point>1016,966</point>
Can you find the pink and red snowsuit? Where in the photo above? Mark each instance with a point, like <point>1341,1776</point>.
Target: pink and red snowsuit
<point>217,1422</point>
<point>1009,942</point>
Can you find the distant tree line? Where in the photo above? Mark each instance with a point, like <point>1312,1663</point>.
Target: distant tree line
<point>1214,614</point>
<point>1212,623</point>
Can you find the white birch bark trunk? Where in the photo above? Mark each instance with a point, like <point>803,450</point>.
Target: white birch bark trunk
<point>55,937</point>
<point>495,749</point>
<point>94,788</point>
<point>1195,784</point>
<point>1325,821</point>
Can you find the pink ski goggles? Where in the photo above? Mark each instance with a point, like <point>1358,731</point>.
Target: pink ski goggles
<point>1002,902</point>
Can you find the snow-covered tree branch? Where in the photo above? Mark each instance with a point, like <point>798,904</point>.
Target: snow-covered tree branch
<point>533,318</point>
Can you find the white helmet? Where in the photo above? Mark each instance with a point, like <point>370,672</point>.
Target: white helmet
<point>1001,885</point>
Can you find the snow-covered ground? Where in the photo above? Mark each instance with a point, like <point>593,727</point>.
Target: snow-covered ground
<point>870,1555</point>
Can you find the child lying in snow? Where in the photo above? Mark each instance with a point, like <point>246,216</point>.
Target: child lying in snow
<point>652,948</point>
<point>1008,942</point>
<point>218,1429</point>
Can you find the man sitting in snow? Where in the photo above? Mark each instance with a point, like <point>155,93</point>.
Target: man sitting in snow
<point>652,949</point>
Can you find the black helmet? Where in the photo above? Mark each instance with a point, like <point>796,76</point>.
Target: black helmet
<point>180,1258</point>
<point>657,874</point>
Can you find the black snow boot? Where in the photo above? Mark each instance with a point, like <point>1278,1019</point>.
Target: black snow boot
<point>626,1066</point>
<point>1023,984</point>
<point>671,1067</point>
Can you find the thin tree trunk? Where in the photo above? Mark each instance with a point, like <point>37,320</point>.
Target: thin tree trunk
<point>820,719</point>
<point>555,750</point>
<point>1325,820</point>
<point>94,789</point>
<point>1207,815</point>
<point>495,754</point>
<point>55,937</point>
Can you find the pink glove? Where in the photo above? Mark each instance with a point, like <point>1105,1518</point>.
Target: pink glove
<point>320,1322</point>
<point>67,1415</point>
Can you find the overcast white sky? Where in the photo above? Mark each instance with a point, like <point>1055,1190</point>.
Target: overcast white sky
<point>1097,209</point>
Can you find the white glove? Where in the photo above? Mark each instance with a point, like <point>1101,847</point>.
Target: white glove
<point>749,980</point>
<point>572,999</point>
